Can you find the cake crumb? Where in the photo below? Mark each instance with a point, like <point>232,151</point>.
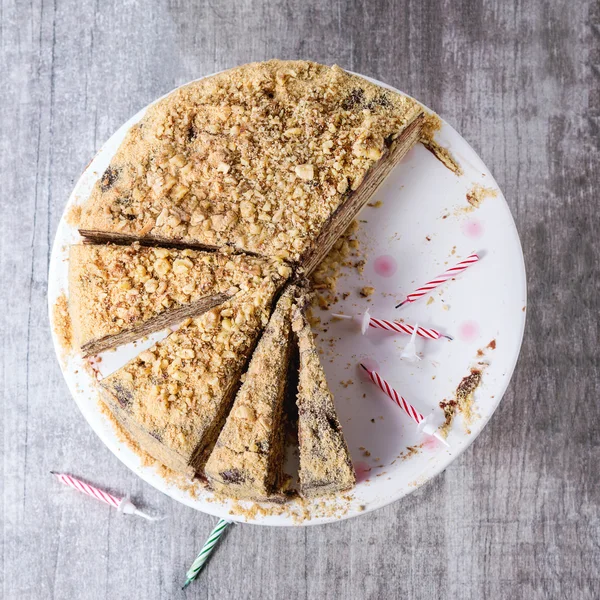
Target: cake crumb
<point>477,194</point>
<point>62,323</point>
<point>463,402</point>
<point>430,301</point>
<point>492,345</point>
<point>359,265</point>
<point>324,279</point>
<point>73,216</point>
<point>431,125</point>
<point>367,291</point>
<point>410,451</point>
<point>375,204</point>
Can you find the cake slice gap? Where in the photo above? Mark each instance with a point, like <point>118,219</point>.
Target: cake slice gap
<point>325,463</point>
<point>173,398</point>
<point>118,294</point>
<point>247,461</point>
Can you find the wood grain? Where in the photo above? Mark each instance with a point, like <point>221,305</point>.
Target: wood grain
<point>517,515</point>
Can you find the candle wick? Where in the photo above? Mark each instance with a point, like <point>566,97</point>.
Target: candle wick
<point>363,366</point>
<point>401,303</point>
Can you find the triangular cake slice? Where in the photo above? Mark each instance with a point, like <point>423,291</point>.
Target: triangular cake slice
<point>325,463</point>
<point>120,293</point>
<point>173,398</point>
<point>246,462</point>
<point>260,157</point>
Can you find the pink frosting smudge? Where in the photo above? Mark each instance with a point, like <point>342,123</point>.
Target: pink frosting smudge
<point>385,265</point>
<point>473,228</point>
<point>362,469</point>
<point>468,331</point>
<point>430,443</point>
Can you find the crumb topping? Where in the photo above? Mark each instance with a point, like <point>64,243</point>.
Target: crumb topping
<point>179,389</point>
<point>113,288</point>
<point>324,278</point>
<point>478,193</point>
<point>325,464</point>
<point>257,157</point>
<point>246,461</point>
<point>464,400</point>
<point>62,323</point>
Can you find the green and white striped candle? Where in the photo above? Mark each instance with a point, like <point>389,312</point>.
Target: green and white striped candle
<point>205,553</point>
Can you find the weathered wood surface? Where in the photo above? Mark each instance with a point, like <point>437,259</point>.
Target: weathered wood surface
<point>516,516</point>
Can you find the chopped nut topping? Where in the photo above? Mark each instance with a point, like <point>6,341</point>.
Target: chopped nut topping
<point>305,172</point>
<point>181,388</point>
<point>136,283</point>
<point>245,155</point>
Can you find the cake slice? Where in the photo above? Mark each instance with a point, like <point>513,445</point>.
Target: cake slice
<point>120,293</point>
<point>259,157</point>
<point>246,462</point>
<point>325,463</point>
<point>173,398</point>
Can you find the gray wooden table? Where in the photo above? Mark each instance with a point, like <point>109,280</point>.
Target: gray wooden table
<point>517,516</point>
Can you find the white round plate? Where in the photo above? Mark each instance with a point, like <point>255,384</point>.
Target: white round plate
<point>426,225</point>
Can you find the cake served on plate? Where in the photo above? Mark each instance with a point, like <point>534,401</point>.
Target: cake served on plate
<point>245,180</point>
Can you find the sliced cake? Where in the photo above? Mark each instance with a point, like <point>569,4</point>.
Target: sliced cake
<point>246,462</point>
<point>120,293</point>
<point>325,463</point>
<point>174,398</point>
<point>261,158</point>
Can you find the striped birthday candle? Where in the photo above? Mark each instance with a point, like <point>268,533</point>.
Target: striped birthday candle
<point>449,274</point>
<point>408,408</point>
<point>206,551</point>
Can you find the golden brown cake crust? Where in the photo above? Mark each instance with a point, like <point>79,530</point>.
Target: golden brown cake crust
<point>117,290</point>
<point>257,157</point>
<point>180,390</point>
<point>247,459</point>
<point>325,463</point>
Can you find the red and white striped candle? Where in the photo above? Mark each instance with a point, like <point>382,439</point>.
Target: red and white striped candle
<point>397,326</point>
<point>408,408</point>
<point>449,274</point>
<point>123,505</point>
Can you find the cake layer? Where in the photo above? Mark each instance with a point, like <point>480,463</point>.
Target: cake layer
<point>174,398</point>
<point>246,462</point>
<point>325,463</point>
<point>258,158</point>
<point>121,293</point>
